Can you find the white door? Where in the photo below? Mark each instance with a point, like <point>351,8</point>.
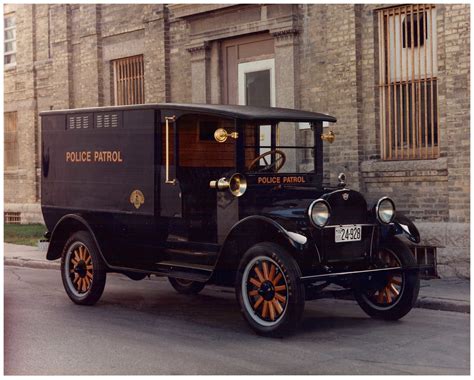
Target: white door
<point>256,84</point>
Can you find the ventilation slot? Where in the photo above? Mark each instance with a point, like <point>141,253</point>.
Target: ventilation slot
<point>85,122</point>
<point>114,121</point>
<point>99,121</point>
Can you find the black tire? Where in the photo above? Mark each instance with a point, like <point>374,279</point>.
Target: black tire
<point>186,286</point>
<point>281,290</point>
<point>82,270</point>
<point>375,303</point>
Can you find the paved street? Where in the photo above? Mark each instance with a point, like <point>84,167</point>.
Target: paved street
<point>146,328</point>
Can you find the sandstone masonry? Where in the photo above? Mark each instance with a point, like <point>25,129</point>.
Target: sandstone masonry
<point>326,60</point>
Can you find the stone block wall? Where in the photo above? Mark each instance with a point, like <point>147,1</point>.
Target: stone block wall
<point>326,60</point>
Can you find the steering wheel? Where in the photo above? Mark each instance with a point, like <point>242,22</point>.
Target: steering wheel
<point>276,165</point>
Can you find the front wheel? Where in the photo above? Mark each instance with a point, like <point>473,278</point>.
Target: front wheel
<point>392,296</point>
<point>269,290</point>
<point>82,270</point>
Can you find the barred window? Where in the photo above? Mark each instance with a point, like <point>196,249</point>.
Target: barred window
<point>11,141</point>
<point>408,86</point>
<point>9,37</point>
<point>129,80</point>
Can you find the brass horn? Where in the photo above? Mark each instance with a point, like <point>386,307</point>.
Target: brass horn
<point>237,184</point>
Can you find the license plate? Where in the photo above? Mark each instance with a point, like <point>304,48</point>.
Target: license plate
<point>348,233</point>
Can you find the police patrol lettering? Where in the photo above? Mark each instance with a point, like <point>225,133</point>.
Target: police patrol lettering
<point>94,156</point>
<point>280,180</point>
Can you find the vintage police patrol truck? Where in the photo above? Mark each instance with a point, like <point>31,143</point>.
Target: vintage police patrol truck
<point>217,194</point>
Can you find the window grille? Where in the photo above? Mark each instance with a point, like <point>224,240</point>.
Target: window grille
<point>9,37</point>
<point>11,141</point>
<point>426,255</point>
<point>12,217</point>
<point>408,86</point>
<point>129,80</point>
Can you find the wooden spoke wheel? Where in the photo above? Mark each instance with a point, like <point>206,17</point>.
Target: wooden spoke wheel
<point>390,296</point>
<point>82,269</point>
<point>269,290</point>
<point>393,285</point>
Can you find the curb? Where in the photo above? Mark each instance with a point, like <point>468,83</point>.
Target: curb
<point>31,263</point>
<point>422,303</point>
<point>444,305</point>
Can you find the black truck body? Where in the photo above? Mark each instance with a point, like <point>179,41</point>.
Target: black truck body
<point>149,184</point>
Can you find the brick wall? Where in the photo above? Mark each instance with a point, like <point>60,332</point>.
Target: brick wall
<point>334,70</point>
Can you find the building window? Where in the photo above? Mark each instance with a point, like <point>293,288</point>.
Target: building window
<point>9,36</point>
<point>408,82</point>
<point>11,141</point>
<point>128,80</point>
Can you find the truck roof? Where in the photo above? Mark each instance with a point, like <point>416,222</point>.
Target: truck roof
<point>250,113</point>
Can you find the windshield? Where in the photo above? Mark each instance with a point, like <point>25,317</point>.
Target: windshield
<point>279,148</point>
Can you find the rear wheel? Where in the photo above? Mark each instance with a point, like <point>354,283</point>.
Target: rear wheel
<point>392,296</point>
<point>82,269</point>
<point>269,290</point>
<point>186,286</point>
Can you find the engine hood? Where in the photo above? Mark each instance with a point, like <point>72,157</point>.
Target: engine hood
<point>347,207</point>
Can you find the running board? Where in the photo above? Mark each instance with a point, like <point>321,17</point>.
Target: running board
<point>194,272</point>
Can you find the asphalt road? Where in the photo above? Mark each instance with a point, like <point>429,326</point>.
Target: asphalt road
<point>146,328</point>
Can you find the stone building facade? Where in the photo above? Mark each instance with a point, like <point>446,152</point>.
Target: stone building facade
<point>325,58</point>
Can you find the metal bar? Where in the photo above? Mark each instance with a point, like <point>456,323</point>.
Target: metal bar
<point>431,82</point>
<point>324,276</point>
<point>382,82</point>
<point>402,122</point>
<point>425,25</point>
<point>394,84</point>
<point>114,66</point>
<point>167,150</point>
<point>412,52</point>
<point>407,87</point>
<point>418,26</point>
<point>389,77</point>
<point>133,79</point>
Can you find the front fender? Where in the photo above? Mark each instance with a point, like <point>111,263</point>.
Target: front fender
<point>250,231</point>
<point>296,240</point>
<point>403,225</point>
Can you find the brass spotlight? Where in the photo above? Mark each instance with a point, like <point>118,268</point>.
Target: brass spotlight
<point>329,137</point>
<point>237,184</point>
<point>221,135</point>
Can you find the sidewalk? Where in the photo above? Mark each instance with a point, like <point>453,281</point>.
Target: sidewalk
<point>450,294</point>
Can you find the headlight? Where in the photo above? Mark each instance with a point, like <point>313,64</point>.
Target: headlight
<point>385,210</point>
<point>319,212</point>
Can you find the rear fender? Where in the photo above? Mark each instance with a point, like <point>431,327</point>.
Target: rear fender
<point>65,227</point>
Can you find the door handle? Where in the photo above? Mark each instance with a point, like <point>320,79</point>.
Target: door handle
<point>168,181</point>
